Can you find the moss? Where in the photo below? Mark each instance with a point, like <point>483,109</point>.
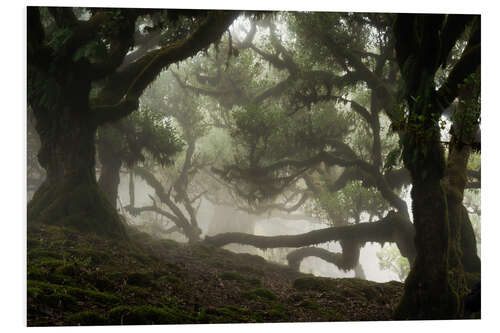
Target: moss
<point>312,283</point>
<point>254,281</point>
<point>148,315</point>
<point>86,318</point>
<point>231,276</point>
<point>309,304</point>
<point>100,281</point>
<point>138,293</point>
<point>249,269</point>
<point>34,292</point>
<point>51,295</point>
<point>55,289</point>
<point>170,279</point>
<point>227,314</point>
<point>275,314</point>
<point>35,273</point>
<point>142,279</point>
<point>472,279</point>
<point>69,270</point>
<point>333,316</point>
<point>38,253</point>
<point>90,257</point>
<point>77,204</point>
<point>102,298</point>
<point>260,293</point>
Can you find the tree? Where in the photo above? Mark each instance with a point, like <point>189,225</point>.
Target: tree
<point>292,128</point>
<point>390,259</point>
<point>126,142</point>
<point>436,285</point>
<point>81,76</point>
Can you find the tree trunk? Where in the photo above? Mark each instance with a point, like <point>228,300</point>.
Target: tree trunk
<point>70,195</point>
<point>434,288</point>
<point>111,162</point>
<point>470,259</point>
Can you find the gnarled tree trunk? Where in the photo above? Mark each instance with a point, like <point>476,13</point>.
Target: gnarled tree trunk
<point>70,195</point>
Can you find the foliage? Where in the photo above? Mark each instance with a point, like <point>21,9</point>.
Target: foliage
<point>390,259</point>
<point>352,203</point>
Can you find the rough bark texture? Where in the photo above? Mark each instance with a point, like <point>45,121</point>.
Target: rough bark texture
<point>70,195</point>
<point>436,285</point>
<point>59,83</point>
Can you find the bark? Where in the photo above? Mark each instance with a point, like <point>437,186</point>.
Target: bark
<point>111,162</point>
<point>436,285</point>
<point>70,195</point>
<point>347,260</point>
<point>392,228</point>
<point>189,227</point>
<point>468,244</point>
<point>59,91</point>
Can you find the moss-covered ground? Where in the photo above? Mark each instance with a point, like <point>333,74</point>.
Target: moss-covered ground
<point>78,278</point>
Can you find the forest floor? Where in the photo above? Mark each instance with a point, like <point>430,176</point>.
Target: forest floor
<point>82,279</point>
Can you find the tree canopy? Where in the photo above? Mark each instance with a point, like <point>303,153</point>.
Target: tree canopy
<point>365,123</point>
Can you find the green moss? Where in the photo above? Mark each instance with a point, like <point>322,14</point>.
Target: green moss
<point>227,314</point>
<point>77,204</point>
<point>138,293</point>
<point>85,294</point>
<point>38,253</point>
<point>331,315</point>
<point>101,281</point>
<point>148,315</point>
<point>472,279</point>
<point>69,270</point>
<point>312,283</point>
<point>90,257</point>
<point>249,269</point>
<point>260,293</point>
<point>170,279</point>
<point>142,279</point>
<point>86,318</point>
<point>254,281</point>
<point>231,276</point>
<point>51,295</point>
<point>309,304</point>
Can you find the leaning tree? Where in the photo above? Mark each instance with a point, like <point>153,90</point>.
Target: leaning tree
<point>82,74</point>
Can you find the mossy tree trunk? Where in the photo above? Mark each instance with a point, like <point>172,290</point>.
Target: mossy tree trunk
<point>61,67</point>
<point>70,195</point>
<point>436,286</point>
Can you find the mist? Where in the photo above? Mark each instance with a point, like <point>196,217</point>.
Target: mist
<point>206,166</point>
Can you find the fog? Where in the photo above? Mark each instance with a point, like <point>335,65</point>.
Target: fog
<point>264,227</point>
